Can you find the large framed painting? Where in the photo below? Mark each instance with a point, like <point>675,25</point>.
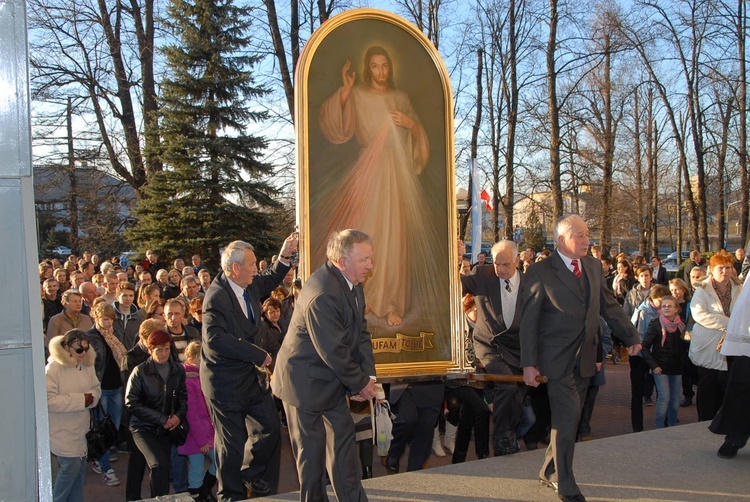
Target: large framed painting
<point>374,132</point>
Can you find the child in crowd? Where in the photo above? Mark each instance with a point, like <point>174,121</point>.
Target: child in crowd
<point>200,441</point>
<point>639,371</point>
<point>662,351</point>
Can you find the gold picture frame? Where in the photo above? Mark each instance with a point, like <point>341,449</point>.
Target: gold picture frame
<point>375,151</point>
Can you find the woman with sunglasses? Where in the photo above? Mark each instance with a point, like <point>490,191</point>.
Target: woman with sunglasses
<point>156,398</point>
<point>72,389</point>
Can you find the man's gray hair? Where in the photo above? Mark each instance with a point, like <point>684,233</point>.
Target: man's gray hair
<point>340,243</point>
<point>68,293</point>
<point>563,225</point>
<point>234,253</point>
<point>505,244</point>
<point>187,280</point>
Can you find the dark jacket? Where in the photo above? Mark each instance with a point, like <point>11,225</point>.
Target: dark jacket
<point>148,397</point>
<point>229,354</point>
<point>105,360</point>
<point>50,308</point>
<point>126,325</point>
<point>668,357</point>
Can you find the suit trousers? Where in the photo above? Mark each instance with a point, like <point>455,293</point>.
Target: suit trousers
<point>325,440</point>
<point>507,407</point>
<point>566,398</point>
<point>638,372</point>
<point>474,414</point>
<point>247,445</point>
<point>415,424</point>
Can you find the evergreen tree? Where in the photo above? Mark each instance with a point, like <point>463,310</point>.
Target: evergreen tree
<point>211,190</point>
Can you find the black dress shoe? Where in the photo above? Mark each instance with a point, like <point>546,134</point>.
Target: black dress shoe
<point>258,487</point>
<point>728,450</point>
<point>572,498</point>
<point>686,402</point>
<point>367,473</point>
<point>391,465</point>
<point>548,483</point>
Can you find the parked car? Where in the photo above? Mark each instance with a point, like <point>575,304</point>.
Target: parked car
<point>671,264</point>
<point>62,251</point>
<point>127,258</point>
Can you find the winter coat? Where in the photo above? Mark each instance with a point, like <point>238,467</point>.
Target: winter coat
<point>148,397</point>
<point>67,382</point>
<point>643,315</point>
<point>201,428</point>
<point>710,324</point>
<point>668,357</point>
<point>126,325</point>
<point>60,324</point>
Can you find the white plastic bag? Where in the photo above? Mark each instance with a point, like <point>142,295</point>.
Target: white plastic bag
<point>383,427</point>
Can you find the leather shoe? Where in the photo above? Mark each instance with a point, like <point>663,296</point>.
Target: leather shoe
<point>367,473</point>
<point>686,402</point>
<point>728,450</point>
<point>391,465</point>
<point>258,487</point>
<point>572,498</point>
<point>548,483</point>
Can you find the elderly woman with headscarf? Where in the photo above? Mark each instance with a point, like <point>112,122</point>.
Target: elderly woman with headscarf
<point>711,306</point>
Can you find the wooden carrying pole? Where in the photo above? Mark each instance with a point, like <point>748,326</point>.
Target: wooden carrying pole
<point>486,377</point>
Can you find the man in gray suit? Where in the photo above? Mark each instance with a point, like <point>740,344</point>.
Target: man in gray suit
<point>564,295</point>
<point>496,290</point>
<point>327,355</point>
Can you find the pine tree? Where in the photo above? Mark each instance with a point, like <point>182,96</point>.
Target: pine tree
<point>212,189</point>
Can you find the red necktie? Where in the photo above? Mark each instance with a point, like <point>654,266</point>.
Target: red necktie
<point>576,270</point>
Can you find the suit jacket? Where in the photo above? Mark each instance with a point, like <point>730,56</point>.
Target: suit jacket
<point>229,354</point>
<point>327,350</point>
<point>492,337</point>
<point>557,321</point>
<point>660,277</point>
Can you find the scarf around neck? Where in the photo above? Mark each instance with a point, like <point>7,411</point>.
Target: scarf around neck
<point>668,326</point>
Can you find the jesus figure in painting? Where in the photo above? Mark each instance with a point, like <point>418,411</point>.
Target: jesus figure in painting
<point>380,194</point>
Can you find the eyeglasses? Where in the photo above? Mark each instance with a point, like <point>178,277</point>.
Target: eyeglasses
<point>80,350</point>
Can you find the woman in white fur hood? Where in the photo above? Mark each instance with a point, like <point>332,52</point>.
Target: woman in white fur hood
<point>72,389</point>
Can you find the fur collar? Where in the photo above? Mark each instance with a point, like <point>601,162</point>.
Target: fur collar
<point>61,355</point>
<point>706,284</point>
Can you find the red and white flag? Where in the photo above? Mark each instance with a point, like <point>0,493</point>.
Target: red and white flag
<point>487,200</point>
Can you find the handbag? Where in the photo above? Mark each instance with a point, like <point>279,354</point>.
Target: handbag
<point>102,433</point>
<point>179,434</point>
<point>383,427</point>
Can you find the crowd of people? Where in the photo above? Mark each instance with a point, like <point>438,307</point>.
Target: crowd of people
<point>171,351</point>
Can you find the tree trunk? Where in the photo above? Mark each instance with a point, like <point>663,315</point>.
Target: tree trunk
<point>474,140</point>
<point>742,118</point>
<point>72,181</point>
<point>278,50</point>
<point>609,146</point>
<point>554,114</point>
<point>639,175</point>
<point>126,113</point>
<point>145,36</point>
<point>512,106</point>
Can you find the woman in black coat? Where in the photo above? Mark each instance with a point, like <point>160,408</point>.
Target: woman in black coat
<point>156,398</point>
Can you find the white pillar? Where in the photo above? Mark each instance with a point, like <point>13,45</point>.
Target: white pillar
<point>24,443</point>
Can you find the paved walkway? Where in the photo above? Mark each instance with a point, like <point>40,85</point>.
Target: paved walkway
<point>611,418</point>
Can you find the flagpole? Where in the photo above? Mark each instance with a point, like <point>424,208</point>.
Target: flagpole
<point>476,213</point>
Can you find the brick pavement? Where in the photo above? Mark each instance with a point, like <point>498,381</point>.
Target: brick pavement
<point>611,418</point>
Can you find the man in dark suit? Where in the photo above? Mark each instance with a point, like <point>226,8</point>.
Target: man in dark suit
<point>327,355</point>
<point>496,337</point>
<point>248,443</point>
<point>564,296</point>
